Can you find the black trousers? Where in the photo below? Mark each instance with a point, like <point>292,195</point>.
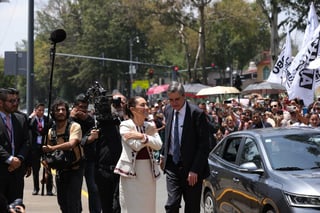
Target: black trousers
<point>178,187</point>
<point>69,185</point>
<point>36,165</point>
<point>108,187</point>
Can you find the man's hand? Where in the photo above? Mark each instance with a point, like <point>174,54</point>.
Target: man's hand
<point>47,148</point>
<point>28,171</point>
<point>15,163</point>
<point>94,134</point>
<point>161,163</point>
<point>192,178</point>
<point>78,113</point>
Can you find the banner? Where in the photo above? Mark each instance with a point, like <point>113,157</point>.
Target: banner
<point>303,84</point>
<point>312,25</point>
<point>279,72</point>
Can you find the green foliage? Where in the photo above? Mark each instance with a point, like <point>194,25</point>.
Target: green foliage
<point>167,33</point>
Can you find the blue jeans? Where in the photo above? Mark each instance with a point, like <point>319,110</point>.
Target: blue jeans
<point>94,199</point>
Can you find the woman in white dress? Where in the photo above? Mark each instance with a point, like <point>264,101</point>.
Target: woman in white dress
<point>137,167</point>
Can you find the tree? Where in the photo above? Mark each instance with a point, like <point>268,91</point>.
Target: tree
<point>295,11</point>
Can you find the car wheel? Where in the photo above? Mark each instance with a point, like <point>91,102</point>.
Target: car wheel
<point>209,203</point>
<point>270,211</point>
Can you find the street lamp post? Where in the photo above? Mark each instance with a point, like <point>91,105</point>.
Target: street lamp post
<point>131,66</point>
<point>228,70</point>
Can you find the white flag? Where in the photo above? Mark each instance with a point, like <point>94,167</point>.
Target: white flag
<point>304,80</point>
<point>307,54</point>
<point>312,24</point>
<point>279,71</point>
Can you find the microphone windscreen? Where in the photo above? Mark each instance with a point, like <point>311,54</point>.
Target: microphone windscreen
<point>58,36</point>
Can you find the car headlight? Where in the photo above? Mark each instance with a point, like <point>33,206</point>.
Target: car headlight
<point>302,200</point>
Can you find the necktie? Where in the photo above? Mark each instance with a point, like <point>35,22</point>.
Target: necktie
<point>9,127</point>
<point>176,144</point>
<point>40,125</point>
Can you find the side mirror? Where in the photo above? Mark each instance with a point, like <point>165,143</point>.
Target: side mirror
<point>250,167</point>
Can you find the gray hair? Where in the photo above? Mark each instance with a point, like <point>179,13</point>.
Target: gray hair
<point>176,87</point>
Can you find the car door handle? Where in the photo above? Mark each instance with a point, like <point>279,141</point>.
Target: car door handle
<point>235,179</point>
<point>213,172</point>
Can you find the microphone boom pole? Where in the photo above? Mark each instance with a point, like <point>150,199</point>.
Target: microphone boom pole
<point>56,36</point>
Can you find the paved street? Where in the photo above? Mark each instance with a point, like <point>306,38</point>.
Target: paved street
<point>48,204</point>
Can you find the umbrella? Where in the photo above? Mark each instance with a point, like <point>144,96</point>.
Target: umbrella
<point>218,90</point>
<point>264,86</point>
<point>157,89</point>
<point>192,89</point>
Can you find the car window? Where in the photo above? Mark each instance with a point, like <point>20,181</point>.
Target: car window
<point>250,153</point>
<point>293,152</point>
<point>231,149</point>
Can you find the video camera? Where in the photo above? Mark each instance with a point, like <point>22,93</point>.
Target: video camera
<point>104,103</point>
<point>14,204</point>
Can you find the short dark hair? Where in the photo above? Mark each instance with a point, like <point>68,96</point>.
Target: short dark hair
<point>39,105</point>
<point>81,98</point>
<point>3,94</point>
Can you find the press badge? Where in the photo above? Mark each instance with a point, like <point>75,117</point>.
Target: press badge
<point>39,139</point>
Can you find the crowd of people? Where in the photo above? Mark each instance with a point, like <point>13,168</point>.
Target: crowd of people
<point>121,157</point>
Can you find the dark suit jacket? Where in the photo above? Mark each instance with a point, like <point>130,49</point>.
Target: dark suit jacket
<point>194,148</point>
<point>21,139</point>
<point>33,125</point>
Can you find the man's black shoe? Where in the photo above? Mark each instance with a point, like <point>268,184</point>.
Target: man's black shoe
<point>50,194</point>
<point>35,192</point>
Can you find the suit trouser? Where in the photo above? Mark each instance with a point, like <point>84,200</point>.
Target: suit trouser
<point>108,187</point>
<point>94,199</point>
<point>178,187</point>
<point>12,183</point>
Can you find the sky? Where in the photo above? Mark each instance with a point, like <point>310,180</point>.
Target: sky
<point>14,23</point>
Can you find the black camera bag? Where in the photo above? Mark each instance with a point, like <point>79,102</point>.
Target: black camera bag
<point>60,159</point>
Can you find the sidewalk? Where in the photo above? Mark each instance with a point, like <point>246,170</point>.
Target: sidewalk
<point>47,204</point>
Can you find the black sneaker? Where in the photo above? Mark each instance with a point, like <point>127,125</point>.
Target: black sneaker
<point>50,194</point>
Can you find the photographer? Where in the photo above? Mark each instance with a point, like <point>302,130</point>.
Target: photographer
<point>79,114</point>
<point>65,135</point>
<point>16,207</point>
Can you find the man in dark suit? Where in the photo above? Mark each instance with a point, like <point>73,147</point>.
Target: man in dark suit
<point>38,127</point>
<point>184,154</point>
<point>14,146</point>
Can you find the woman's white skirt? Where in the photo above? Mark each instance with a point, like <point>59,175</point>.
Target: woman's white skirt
<point>138,195</point>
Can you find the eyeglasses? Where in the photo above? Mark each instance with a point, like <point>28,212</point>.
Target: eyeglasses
<point>274,106</point>
<point>13,101</point>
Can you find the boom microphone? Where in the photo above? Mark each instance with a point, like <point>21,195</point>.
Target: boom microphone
<point>58,36</point>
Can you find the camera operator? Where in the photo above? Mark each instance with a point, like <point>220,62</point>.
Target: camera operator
<point>108,152</point>
<point>79,114</point>
<point>16,207</point>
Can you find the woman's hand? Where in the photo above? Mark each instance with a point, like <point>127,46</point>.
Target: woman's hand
<point>133,135</point>
<point>151,130</point>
